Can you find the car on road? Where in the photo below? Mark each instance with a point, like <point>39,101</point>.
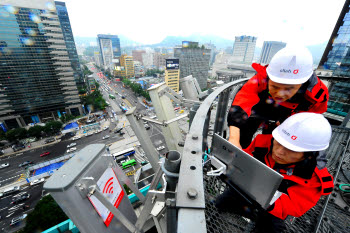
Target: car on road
<point>37,181</point>
<point>76,138</point>
<point>118,130</point>
<point>49,140</point>
<point>147,127</point>
<point>71,149</point>
<point>4,165</point>
<point>21,198</point>
<point>16,220</point>
<point>105,137</point>
<point>144,163</point>
<point>45,153</point>
<point>26,163</point>
<point>10,190</point>
<point>160,148</point>
<point>71,145</point>
<point>89,134</point>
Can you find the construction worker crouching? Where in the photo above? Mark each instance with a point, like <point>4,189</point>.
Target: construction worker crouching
<point>286,86</point>
<point>295,151</point>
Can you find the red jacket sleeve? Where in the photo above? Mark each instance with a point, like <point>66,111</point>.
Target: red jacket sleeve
<point>297,202</point>
<point>247,97</point>
<point>321,95</point>
<point>244,101</point>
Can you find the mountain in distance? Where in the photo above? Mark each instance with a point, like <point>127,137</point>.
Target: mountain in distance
<point>219,42</point>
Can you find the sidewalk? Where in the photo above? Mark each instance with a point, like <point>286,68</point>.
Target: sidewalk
<point>19,183</point>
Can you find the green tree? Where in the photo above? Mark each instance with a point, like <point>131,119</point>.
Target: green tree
<point>35,131</point>
<point>2,135</point>
<point>67,117</point>
<point>52,127</point>
<point>82,91</point>
<point>45,215</point>
<point>95,99</point>
<point>16,134</point>
<point>86,70</point>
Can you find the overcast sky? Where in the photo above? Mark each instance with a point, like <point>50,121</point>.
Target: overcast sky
<point>150,21</point>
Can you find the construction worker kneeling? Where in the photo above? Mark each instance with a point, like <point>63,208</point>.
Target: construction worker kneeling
<point>295,151</point>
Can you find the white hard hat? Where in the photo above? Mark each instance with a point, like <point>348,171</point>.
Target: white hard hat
<point>291,65</point>
<point>304,132</point>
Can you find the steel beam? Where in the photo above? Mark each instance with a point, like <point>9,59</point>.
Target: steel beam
<point>143,137</point>
<point>165,112</point>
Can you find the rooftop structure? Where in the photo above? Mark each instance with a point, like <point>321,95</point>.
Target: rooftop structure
<point>192,208</point>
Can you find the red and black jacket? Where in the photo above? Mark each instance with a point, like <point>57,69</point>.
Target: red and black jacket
<point>303,183</point>
<point>254,98</point>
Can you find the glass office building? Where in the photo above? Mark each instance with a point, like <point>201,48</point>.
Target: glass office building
<point>36,75</point>
<point>337,59</point>
<point>109,46</point>
<point>69,39</point>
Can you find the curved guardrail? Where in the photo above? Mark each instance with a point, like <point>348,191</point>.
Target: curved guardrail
<point>190,194</point>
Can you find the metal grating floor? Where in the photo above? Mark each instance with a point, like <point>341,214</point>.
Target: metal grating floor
<point>335,219</point>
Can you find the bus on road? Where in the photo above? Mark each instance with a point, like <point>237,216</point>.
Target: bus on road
<point>125,153</point>
<point>129,163</point>
<point>111,96</point>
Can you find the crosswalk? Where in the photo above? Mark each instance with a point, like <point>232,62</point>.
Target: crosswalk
<point>22,177</point>
<point>131,173</point>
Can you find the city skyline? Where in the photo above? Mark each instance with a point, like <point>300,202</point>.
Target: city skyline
<point>308,22</point>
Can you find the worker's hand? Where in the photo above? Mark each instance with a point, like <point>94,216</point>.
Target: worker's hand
<point>235,142</point>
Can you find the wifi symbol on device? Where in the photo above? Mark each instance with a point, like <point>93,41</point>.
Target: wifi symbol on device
<point>108,188</point>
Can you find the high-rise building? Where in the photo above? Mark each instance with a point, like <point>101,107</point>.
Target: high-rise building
<point>124,67</point>
<point>97,58</point>
<point>147,60</point>
<point>36,77</point>
<point>138,68</point>
<point>159,59</point>
<point>269,49</point>
<point>193,61</point>
<point>137,55</point>
<point>243,49</point>
<point>336,58</point>
<point>213,52</point>
<point>109,46</point>
<point>69,39</point>
<point>172,74</point>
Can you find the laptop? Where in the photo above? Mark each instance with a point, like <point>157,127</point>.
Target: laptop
<point>252,177</point>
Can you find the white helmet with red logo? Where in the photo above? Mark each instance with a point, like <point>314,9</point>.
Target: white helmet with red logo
<point>304,132</point>
<point>291,65</point>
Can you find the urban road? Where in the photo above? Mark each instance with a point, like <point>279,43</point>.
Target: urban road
<point>14,173</point>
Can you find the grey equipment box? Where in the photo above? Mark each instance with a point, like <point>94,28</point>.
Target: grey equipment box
<point>64,185</point>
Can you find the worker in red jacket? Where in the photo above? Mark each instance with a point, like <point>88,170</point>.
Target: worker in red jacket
<point>286,86</point>
<point>293,150</point>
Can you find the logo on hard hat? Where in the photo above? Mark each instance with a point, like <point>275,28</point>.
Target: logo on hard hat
<point>294,137</point>
<point>285,132</point>
<point>295,71</point>
<point>285,71</point>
